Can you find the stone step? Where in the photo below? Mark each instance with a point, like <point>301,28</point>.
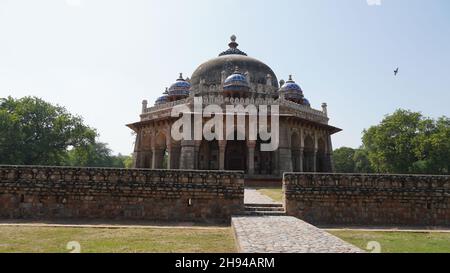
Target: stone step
<point>264,208</point>
<point>264,213</point>
<point>273,205</point>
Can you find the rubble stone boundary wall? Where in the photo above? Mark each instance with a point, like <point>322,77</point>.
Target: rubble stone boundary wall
<point>35,192</point>
<point>359,199</point>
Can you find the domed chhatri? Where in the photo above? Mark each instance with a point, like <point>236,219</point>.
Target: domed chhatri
<point>236,85</point>
<point>179,89</point>
<point>293,92</point>
<point>290,85</point>
<point>306,102</point>
<point>163,99</point>
<point>236,81</point>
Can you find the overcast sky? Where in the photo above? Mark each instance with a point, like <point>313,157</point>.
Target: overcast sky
<point>101,58</point>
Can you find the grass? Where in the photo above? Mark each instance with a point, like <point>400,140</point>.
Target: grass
<point>399,242</point>
<point>276,194</point>
<point>122,240</point>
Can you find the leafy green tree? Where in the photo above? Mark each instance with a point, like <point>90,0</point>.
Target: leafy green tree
<point>343,160</point>
<point>349,160</point>
<point>433,148</point>
<point>407,142</point>
<point>361,161</point>
<point>35,132</point>
<point>92,155</point>
<point>390,144</point>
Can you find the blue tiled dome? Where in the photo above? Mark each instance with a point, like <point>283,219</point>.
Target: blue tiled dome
<point>290,85</point>
<point>180,87</point>
<point>294,96</point>
<point>292,91</point>
<point>162,100</point>
<point>236,81</point>
<point>306,102</point>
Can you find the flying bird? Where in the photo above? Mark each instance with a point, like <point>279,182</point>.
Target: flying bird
<point>396,72</point>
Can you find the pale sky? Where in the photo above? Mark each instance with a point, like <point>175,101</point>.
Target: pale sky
<point>101,58</point>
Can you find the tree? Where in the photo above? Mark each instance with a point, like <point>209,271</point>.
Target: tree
<point>361,161</point>
<point>343,160</point>
<point>349,160</point>
<point>433,148</point>
<point>91,155</point>
<point>34,132</point>
<point>407,142</point>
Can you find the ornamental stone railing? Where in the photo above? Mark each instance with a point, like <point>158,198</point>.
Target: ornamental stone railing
<point>301,111</point>
<point>165,105</point>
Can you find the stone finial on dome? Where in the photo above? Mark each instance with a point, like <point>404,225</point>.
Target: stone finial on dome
<point>233,50</point>
<point>166,91</point>
<point>180,77</point>
<point>233,43</point>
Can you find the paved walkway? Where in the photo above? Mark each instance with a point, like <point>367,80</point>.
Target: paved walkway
<point>285,234</point>
<point>252,196</point>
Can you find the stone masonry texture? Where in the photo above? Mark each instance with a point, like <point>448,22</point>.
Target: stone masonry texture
<point>32,192</point>
<point>358,199</point>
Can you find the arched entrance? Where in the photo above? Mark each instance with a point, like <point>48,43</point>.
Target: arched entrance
<point>321,155</point>
<point>295,152</point>
<point>161,155</point>
<point>308,162</point>
<point>236,155</point>
<point>263,159</point>
<point>208,155</point>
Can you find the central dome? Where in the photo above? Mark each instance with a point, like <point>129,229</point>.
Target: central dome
<point>211,71</point>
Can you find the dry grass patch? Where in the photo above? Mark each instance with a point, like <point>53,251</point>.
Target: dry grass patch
<point>55,239</point>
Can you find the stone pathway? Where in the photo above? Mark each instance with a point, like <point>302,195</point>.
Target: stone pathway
<point>285,234</point>
<point>252,196</point>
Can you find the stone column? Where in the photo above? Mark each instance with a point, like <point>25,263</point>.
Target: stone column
<point>284,150</point>
<point>276,166</point>
<point>136,152</point>
<point>222,147</point>
<point>197,145</point>
<point>330,155</point>
<point>301,159</point>
<point>285,160</point>
<point>251,156</point>
<point>154,165</point>
<point>175,157</point>
<point>187,155</point>
<point>169,157</point>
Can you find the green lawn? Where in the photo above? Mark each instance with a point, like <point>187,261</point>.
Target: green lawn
<point>55,239</point>
<point>276,194</point>
<point>399,242</point>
